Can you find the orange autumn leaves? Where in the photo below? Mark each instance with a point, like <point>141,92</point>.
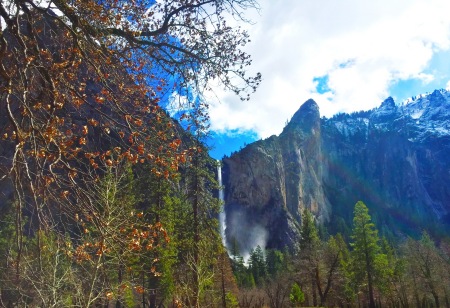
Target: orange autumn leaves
<point>137,238</point>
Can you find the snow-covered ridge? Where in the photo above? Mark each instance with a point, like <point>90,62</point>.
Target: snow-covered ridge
<point>431,113</point>
<point>423,116</point>
<point>414,98</point>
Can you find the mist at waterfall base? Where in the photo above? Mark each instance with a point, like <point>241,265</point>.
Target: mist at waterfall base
<point>244,232</point>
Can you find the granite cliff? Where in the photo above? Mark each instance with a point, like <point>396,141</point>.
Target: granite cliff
<point>394,158</point>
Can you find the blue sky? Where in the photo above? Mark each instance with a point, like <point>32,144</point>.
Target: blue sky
<point>225,144</point>
<point>347,55</point>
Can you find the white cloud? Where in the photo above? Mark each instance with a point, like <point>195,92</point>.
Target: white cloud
<point>380,42</point>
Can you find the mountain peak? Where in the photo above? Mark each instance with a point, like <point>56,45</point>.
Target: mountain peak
<point>436,98</point>
<point>388,103</point>
<point>308,108</point>
<point>436,94</point>
<point>310,103</point>
<point>385,112</point>
<point>306,116</point>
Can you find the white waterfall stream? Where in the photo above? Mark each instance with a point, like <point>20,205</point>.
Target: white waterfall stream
<point>222,215</point>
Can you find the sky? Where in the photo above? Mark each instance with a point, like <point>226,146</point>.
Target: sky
<point>347,55</point>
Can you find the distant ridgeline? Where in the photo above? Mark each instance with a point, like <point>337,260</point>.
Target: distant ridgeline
<point>394,158</point>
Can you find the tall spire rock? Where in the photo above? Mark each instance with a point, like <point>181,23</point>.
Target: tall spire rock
<point>306,118</point>
<point>273,180</point>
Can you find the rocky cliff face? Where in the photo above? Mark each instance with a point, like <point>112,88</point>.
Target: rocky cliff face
<point>269,182</point>
<point>394,158</point>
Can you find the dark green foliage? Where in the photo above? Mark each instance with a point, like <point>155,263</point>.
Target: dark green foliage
<point>328,274</point>
<point>322,231</point>
<point>234,247</point>
<point>244,277</point>
<point>309,237</point>
<point>309,254</point>
<point>367,259</point>
<point>274,262</point>
<point>257,265</point>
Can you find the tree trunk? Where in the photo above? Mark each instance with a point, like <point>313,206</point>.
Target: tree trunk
<point>436,298</point>
<point>153,298</point>
<point>119,280</point>
<point>314,290</point>
<point>143,285</point>
<point>371,298</point>
<point>447,302</point>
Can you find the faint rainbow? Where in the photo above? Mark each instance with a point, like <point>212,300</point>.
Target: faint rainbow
<point>364,190</point>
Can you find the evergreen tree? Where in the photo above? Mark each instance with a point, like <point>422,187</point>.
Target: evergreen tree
<point>257,265</point>
<point>309,238</point>
<point>274,262</point>
<point>200,182</point>
<point>241,273</point>
<point>393,284</point>
<point>366,252</point>
<point>161,203</point>
<point>234,247</point>
<point>348,287</point>
<point>309,245</point>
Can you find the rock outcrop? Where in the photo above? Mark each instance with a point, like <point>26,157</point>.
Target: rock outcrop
<point>270,181</point>
<point>394,158</point>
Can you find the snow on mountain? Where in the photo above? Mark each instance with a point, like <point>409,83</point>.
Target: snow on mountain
<point>352,126</point>
<point>422,116</point>
<point>430,113</point>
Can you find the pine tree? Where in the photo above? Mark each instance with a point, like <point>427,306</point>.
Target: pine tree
<point>199,182</point>
<point>309,237</point>
<point>257,265</point>
<point>234,247</point>
<point>366,250</point>
<point>392,284</point>
<point>309,245</point>
<point>274,262</point>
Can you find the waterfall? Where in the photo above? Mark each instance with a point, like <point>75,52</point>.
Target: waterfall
<point>222,215</point>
